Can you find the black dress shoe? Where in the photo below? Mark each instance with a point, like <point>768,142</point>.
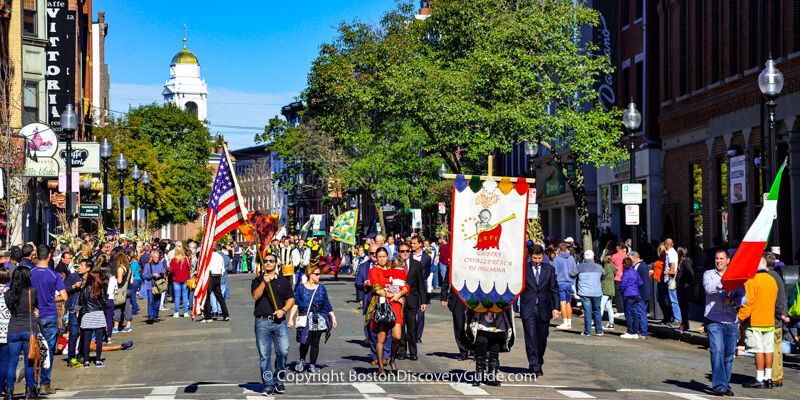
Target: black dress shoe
<point>462,357</point>
<point>767,383</point>
<point>719,392</point>
<point>729,393</point>
<point>754,384</point>
<point>413,357</point>
<point>279,388</point>
<point>419,340</point>
<point>401,357</point>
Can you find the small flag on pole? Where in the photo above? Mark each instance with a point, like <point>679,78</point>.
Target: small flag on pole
<point>745,263</point>
<point>344,228</point>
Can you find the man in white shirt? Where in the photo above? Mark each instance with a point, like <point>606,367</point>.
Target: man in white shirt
<point>670,269</point>
<point>216,268</point>
<point>301,258</point>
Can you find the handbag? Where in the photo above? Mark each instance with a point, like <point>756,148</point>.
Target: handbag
<point>673,284</point>
<point>383,314</point>
<point>191,283</point>
<point>33,343</point>
<point>159,284</point>
<point>302,320</point>
<point>794,310</point>
<point>121,296</point>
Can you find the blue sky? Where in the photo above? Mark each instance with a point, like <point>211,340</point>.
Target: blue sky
<point>254,55</point>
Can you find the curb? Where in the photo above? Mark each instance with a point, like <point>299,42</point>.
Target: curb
<point>692,337</point>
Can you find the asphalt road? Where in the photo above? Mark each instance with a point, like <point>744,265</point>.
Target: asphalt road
<point>181,359</point>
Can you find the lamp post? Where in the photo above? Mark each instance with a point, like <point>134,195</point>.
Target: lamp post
<point>531,150</point>
<point>69,122</point>
<point>632,119</point>
<point>122,165</point>
<point>146,183</point>
<point>136,174</point>
<point>770,81</point>
<point>105,156</point>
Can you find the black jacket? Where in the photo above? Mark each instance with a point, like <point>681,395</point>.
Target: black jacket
<point>88,303</point>
<point>449,294</point>
<point>685,273</point>
<point>546,291</point>
<point>416,282</point>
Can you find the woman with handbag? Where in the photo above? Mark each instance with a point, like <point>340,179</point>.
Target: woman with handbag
<point>180,269</point>
<point>385,311</point>
<point>152,273</point>
<point>136,283</point>
<point>314,317</point>
<point>91,303</point>
<point>110,286</point>
<point>121,298</point>
<point>22,300</point>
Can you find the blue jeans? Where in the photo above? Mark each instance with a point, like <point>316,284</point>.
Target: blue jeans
<point>676,308</point>
<point>592,313</point>
<point>643,317</point>
<point>152,304</point>
<point>4,363</point>
<point>435,272</point>
<point>224,283</point>
<point>74,331</point>
<point>50,326</point>
<point>632,315</point>
<point>134,303</point>
<point>215,308</point>
<point>443,272</point>
<point>267,334</point>
<point>18,342</point>
<point>722,341</point>
<point>608,307</point>
<point>181,294</point>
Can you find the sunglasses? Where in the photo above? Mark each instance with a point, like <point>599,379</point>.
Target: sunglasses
<point>271,261</point>
<point>404,251</point>
<point>372,253</point>
<point>317,274</point>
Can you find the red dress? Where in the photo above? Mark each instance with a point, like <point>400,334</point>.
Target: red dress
<point>378,276</point>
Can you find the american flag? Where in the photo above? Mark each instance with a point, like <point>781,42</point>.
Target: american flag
<point>226,211</point>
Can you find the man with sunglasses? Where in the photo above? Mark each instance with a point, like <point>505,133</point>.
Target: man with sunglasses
<point>364,295</point>
<point>416,300</point>
<point>274,298</point>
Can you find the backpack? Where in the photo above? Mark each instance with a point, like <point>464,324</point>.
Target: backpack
<point>794,310</point>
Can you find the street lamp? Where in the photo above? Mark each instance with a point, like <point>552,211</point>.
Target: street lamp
<point>69,122</point>
<point>531,150</point>
<point>105,156</point>
<point>770,81</point>
<point>632,119</point>
<point>442,170</point>
<point>122,165</point>
<point>136,174</point>
<point>146,183</point>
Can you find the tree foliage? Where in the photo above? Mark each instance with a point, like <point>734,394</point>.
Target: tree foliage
<point>174,148</point>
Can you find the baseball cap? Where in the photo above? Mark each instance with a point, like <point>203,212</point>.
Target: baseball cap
<point>588,254</point>
<point>570,240</point>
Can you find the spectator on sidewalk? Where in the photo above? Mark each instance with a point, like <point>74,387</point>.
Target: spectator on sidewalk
<point>758,315</point>
<point>564,263</point>
<point>589,275</point>
<point>50,287</point>
<point>662,297</point>
<point>630,294</point>
<point>73,287</point>
<point>616,259</point>
<point>22,301</point>
<point>721,323</point>
<point>644,293</point>
<point>670,272</point>
<point>781,311</point>
<point>684,278</point>
<point>608,290</point>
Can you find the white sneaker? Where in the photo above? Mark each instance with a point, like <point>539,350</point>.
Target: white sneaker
<point>629,336</point>
<point>609,326</point>
<point>563,326</point>
<point>186,315</point>
<point>176,315</point>
<point>619,315</point>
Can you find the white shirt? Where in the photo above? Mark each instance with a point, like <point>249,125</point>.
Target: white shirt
<point>112,286</point>
<point>672,258</point>
<point>301,256</point>
<point>217,264</point>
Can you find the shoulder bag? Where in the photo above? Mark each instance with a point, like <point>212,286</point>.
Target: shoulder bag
<point>159,284</point>
<point>794,311</point>
<point>384,313</point>
<point>302,320</point>
<point>122,292</point>
<point>34,349</point>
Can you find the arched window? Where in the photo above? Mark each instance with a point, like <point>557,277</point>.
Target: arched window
<point>191,108</point>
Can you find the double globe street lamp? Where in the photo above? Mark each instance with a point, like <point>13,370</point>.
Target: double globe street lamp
<point>136,174</point>
<point>632,119</point>
<point>122,166</point>
<point>146,183</point>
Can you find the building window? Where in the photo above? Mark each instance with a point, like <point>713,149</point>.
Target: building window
<point>722,196</point>
<point>734,29</point>
<point>30,103</point>
<point>191,108</point>
<point>624,13</point>
<point>29,17</point>
<point>639,8</point>
<point>696,213</point>
<point>684,50</point>
<point>715,41</point>
<point>700,44</point>
<point>640,87</point>
<point>755,35</point>
<point>626,86</point>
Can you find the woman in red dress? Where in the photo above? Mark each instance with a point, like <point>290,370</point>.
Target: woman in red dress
<point>388,284</point>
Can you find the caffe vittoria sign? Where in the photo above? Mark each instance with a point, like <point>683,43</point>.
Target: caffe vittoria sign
<point>61,34</point>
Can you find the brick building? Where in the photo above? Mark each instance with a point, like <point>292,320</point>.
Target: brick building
<point>710,54</point>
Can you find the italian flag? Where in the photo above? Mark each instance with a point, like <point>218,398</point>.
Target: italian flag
<point>745,263</point>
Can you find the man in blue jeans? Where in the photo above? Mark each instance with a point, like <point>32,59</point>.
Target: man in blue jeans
<point>274,298</point>
<point>721,323</point>
<point>47,282</point>
<point>73,285</point>
<point>589,274</point>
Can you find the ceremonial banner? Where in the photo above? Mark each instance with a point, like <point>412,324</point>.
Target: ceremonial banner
<point>488,242</point>
<point>344,228</point>
<point>264,228</point>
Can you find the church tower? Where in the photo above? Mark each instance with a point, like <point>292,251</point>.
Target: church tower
<point>185,88</point>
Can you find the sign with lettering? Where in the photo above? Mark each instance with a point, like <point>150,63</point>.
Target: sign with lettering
<point>606,36</point>
<point>738,180</point>
<point>89,211</point>
<point>631,193</point>
<point>631,214</point>
<point>61,33</point>
<point>40,139</point>
<point>85,160</point>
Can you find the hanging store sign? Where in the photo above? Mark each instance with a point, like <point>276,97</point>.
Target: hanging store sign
<point>738,180</point>
<point>606,35</point>
<point>40,140</point>
<point>61,33</point>
<point>85,160</point>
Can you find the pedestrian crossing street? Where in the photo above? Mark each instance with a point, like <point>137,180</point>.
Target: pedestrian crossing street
<point>372,391</point>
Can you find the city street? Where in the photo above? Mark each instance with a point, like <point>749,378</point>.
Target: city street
<point>178,359</point>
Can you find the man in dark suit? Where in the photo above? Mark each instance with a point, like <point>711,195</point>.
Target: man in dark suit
<point>450,299</point>
<point>419,254</point>
<point>364,295</point>
<point>416,299</point>
<point>539,303</point>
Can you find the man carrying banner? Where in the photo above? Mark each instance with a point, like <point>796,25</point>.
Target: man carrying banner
<point>539,303</point>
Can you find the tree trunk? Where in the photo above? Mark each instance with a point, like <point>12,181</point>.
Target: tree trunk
<point>377,203</point>
<point>579,195</point>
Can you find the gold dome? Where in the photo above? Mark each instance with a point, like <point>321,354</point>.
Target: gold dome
<point>184,57</point>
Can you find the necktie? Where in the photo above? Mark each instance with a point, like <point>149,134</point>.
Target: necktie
<point>407,266</point>
<point>536,273</point>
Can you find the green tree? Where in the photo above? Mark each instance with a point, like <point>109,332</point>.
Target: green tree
<point>174,148</point>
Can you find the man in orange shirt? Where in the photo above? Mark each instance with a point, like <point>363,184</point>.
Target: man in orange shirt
<point>758,314</point>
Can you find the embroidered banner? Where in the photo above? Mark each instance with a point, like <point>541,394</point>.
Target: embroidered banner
<point>488,244</point>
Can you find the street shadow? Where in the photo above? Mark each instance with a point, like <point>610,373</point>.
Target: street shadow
<point>193,387</point>
<point>691,385</point>
<point>255,387</point>
<point>443,354</point>
<point>513,370</point>
<point>364,359</point>
<point>737,379</point>
<point>358,342</point>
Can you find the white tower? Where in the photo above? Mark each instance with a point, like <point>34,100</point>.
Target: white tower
<point>185,88</point>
